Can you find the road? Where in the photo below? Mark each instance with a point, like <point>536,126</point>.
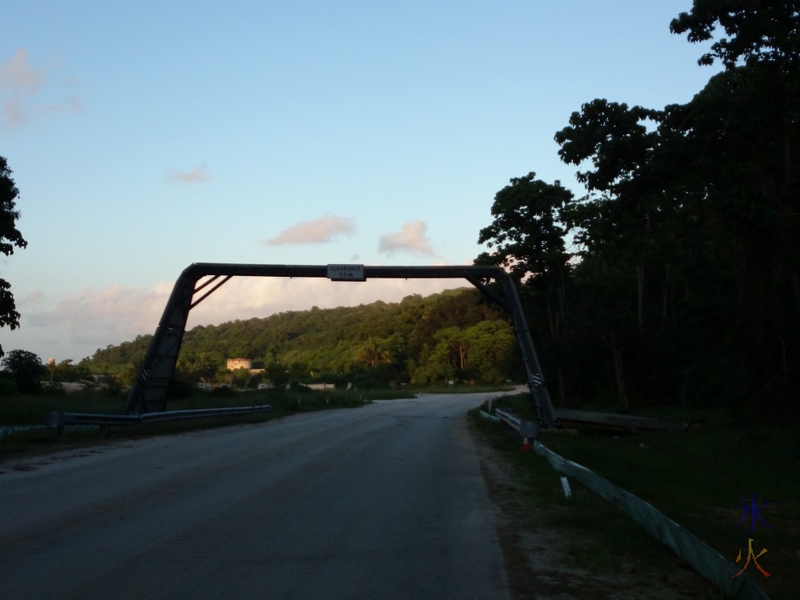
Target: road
<point>384,502</point>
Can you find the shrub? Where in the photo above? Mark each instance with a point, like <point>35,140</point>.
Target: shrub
<point>178,389</point>
<point>27,369</point>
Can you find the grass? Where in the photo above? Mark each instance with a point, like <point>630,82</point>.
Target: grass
<point>596,525</point>
<point>697,478</point>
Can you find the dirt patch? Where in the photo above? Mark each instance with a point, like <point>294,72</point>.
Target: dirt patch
<point>538,556</point>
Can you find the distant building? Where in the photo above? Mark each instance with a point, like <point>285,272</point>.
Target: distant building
<point>321,386</point>
<point>239,363</point>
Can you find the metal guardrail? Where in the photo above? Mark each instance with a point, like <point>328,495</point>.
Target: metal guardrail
<point>59,420</point>
<point>509,419</point>
<point>707,562</point>
<point>521,426</point>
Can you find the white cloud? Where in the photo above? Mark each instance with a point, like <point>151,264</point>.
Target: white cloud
<point>198,174</point>
<point>411,238</point>
<point>112,315</point>
<point>35,297</point>
<point>316,231</point>
<point>17,75</point>
<point>21,86</point>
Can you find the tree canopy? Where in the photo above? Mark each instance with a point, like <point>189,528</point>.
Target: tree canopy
<point>685,284</point>
<point>27,369</point>
<point>10,238</point>
<point>379,342</point>
<point>755,30</point>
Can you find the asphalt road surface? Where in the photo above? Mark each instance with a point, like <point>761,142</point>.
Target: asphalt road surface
<point>381,502</point>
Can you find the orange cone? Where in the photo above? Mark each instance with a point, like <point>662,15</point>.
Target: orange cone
<point>526,445</point>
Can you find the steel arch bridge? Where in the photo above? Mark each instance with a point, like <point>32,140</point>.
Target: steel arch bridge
<point>149,393</point>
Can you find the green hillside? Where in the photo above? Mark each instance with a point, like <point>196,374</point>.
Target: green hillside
<point>454,335</point>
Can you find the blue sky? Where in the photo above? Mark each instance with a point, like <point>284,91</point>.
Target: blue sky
<point>146,136</point>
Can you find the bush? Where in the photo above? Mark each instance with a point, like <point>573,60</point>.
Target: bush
<point>54,389</point>
<point>27,369</point>
<point>112,388</point>
<point>178,390</point>
<point>7,386</point>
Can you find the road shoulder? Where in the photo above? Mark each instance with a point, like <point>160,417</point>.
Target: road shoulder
<point>541,558</point>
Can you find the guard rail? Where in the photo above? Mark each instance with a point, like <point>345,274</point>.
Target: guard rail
<point>59,420</point>
<point>707,562</point>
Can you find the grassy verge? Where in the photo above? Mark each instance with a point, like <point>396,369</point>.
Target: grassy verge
<point>697,478</point>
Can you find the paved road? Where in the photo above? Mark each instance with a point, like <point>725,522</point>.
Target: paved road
<point>383,502</point>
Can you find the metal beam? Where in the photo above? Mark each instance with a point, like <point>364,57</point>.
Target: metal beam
<point>149,393</point>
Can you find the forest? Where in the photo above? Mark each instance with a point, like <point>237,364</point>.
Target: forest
<point>673,278</point>
<point>455,336</point>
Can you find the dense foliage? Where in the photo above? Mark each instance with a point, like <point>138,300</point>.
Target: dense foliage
<point>27,369</point>
<point>455,335</point>
<point>10,238</point>
<point>684,282</point>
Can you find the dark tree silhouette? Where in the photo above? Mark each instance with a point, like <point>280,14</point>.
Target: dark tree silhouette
<point>10,238</point>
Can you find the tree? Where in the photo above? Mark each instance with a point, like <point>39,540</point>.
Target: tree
<point>492,354</point>
<point>748,116</point>
<point>528,238</point>
<point>693,211</point>
<point>27,368</point>
<point>450,355</point>
<point>242,374</point>
<point>67,371</point>
<point>760,31</point>
<point>747,123</point>
<point>374,353</point>
<point>628,203</point>
<point>526,233</point>
<point>275,372</point>
<point>623,227</point>
<point>201,366</point>
<point>10,238</point>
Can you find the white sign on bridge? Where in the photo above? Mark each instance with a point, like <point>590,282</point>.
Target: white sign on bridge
<point>346,273</point>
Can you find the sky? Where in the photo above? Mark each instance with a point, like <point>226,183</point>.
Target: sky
<point>145,136</point>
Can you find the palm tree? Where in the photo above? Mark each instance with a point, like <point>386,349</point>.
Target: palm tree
<point>373,353</point>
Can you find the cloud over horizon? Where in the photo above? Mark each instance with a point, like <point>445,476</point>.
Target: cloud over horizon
<point>21,87</point>
<point>101,317</point>
<point>90,319</point>
<point>316,231</point>
<point>196,175</point>
<point>35,297</point>
<point>411,238</point>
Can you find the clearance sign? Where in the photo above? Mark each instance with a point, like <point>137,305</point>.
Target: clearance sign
<point>346,273</point>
